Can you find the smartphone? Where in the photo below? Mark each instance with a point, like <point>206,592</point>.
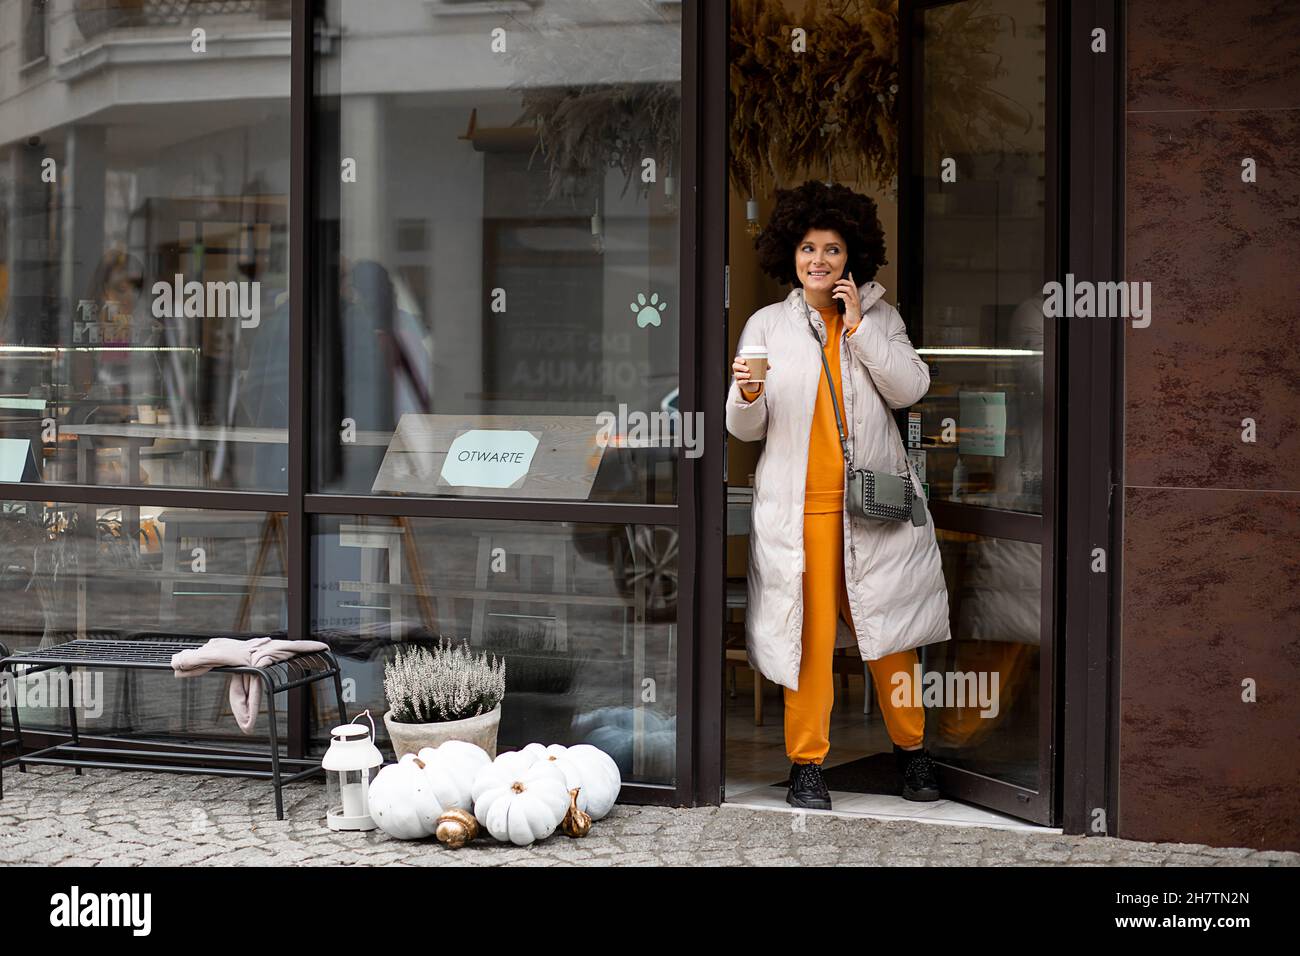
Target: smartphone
<point>839,303</point>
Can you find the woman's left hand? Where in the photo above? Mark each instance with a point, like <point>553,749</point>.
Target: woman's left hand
<point>847,291</point>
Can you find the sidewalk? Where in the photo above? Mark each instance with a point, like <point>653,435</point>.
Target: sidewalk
<point>50,816</point>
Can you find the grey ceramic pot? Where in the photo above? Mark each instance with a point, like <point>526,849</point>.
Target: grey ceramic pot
<point>412,738</point>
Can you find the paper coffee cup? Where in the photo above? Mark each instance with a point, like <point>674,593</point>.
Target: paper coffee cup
<point>755,357</point>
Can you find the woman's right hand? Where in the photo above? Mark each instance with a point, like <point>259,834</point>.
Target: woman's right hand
<point>740,369</point>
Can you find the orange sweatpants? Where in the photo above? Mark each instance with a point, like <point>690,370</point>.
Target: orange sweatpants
<point>825,597</point>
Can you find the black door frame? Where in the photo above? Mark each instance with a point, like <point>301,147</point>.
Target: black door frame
<point>1085,401</point>
<point>1092,419</point>
<point>709,373</point>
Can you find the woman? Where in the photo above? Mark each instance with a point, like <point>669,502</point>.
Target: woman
<point>809,561</point>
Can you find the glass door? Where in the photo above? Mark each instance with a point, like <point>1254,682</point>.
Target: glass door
<point>978,232</point>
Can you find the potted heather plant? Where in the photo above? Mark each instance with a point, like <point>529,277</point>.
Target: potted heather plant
<point>443,693</point>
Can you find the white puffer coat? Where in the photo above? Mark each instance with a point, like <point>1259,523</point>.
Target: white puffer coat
<point>892,569</point>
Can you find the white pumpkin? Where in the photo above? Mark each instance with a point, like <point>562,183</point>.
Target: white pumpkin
<point>517,760</point>
<point>402,801</point>
<point>588,768</point>
<point>537,751</point>
<point>451,768</point>
<point>518,803</point>
<point>598,766</point>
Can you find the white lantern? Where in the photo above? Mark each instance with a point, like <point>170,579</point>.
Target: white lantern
<point>350,764</point>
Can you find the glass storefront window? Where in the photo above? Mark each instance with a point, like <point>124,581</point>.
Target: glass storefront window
<point>497,248</point>
<point>144,248</point>
<point>984,231</point>
<point>995,597</point>
<point>110,572</point>
<point>583,614</point>
<point>493,250</point>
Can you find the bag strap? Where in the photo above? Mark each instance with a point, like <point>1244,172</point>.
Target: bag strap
<point>918,503</point>
<point>830,385</point>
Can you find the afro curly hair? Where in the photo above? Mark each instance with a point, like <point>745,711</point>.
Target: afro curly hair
<point>817,205</point>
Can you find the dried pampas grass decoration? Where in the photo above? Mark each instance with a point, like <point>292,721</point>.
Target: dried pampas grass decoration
<point>831,111</point>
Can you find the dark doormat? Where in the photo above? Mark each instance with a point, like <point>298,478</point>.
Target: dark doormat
<point>875,773</point>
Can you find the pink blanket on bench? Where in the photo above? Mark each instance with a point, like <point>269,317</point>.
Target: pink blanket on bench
<point>245,689</point>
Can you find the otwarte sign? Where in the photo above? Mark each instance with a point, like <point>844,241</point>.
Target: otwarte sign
<point>489,458</point>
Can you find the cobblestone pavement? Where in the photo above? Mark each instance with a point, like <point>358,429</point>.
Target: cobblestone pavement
<point>50,816</point>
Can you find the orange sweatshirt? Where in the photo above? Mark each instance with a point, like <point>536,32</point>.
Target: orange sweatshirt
<point>824,486</point>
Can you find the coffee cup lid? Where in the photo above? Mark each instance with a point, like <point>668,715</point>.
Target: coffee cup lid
<point>753,350</point>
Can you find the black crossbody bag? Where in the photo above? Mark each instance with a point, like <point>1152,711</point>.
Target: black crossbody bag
<point>867,493</point>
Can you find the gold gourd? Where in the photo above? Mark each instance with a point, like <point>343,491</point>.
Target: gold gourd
<point>456,827</point>
<point>577,822</point>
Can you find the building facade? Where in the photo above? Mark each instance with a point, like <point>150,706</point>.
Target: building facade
<point>387,322</point>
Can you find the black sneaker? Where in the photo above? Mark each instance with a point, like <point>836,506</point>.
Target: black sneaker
<point>807,788</point>
<point>917,770</point>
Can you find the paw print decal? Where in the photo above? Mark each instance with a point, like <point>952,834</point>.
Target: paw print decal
<point>647,313</point>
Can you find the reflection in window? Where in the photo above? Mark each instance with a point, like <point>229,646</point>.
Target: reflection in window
<point>497,244</point>
<point>34,24</point>
<point>984,233</point>
<point>584,615</point>
<point>113,572</point>
<point>995,598</point>
<point>112,369</point>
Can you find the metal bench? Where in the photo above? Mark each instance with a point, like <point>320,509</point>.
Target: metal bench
<point>299,671</point>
